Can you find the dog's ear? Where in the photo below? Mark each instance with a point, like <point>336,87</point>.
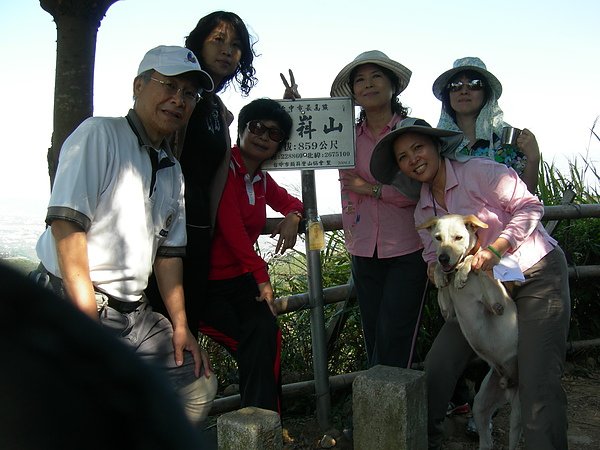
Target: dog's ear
<point>428,223</point>
<point>474,222</point>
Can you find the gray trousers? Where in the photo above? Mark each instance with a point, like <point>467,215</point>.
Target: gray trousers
<point>150,334</point>
<point>544,306</point>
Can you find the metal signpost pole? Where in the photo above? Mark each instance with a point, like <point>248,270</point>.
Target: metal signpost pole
<point>322,138</point>
<point>315,295</point>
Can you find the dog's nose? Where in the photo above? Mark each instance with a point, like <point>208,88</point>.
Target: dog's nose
<point>444,259</point>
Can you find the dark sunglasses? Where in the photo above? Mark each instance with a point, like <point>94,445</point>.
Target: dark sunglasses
<point>258,128</point>
<point>473,85</point>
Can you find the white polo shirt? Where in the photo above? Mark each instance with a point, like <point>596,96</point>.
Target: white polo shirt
<point>103,184</point>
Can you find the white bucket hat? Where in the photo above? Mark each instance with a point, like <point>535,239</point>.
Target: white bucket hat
<point>171,60</point>
<point>341,84</point>
<point>461,65</point>
<point>383,161</point>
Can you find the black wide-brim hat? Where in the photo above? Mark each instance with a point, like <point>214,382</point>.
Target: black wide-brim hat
<point>383,161</point>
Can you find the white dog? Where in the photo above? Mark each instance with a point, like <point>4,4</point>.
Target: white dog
<point>487,317</point>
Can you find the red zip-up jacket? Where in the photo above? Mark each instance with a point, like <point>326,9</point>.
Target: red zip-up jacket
<point>241,216</point>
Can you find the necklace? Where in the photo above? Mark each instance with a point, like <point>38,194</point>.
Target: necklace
<point>431,188</point>
<point>433,201</point>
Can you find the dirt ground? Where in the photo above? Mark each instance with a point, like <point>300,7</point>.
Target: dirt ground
<point>581,382</point>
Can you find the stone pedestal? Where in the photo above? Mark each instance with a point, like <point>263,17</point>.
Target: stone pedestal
<point>249,429</point>
<point>389,407</point>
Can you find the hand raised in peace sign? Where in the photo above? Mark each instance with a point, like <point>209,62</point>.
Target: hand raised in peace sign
<point>291,88</point>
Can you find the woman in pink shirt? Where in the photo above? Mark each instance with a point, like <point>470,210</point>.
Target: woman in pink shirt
<point>387,269</point>
<point>497,196</point>
<point>469,94</point>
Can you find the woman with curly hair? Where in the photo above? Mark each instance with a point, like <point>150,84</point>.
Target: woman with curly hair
<point>223,45</point>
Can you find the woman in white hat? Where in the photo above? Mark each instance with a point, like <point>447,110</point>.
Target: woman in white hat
<point>387,268</point>
<point>469,94</point>
<point>426,168</point>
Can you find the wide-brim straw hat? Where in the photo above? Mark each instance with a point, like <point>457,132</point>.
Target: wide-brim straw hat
<point>461,65</point>
<point>383,161</point>
<point>341,84</point>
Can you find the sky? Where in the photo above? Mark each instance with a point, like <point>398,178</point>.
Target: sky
<point>545,53</point>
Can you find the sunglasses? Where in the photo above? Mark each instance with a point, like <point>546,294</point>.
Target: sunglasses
<point>258,128</point>
<point>473,85</point>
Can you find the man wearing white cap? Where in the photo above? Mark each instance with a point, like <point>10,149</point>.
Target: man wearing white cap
<point>116,212</point>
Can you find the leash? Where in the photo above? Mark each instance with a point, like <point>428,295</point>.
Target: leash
<point>417,325</point>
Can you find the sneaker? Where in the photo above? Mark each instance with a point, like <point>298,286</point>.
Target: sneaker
<point>454,410</point>
<point>471,428</point>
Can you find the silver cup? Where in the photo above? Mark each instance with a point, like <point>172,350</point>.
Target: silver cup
<point>509,136</point>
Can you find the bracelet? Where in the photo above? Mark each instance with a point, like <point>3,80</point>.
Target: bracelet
<point>376,190</point>
<point>494,251</point>
<point>298,214</point>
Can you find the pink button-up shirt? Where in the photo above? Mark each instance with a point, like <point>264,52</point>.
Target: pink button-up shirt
<point>498,197</point>
<point>386,223</point>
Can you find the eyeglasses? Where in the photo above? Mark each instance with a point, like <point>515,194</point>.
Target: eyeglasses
<point>258,128</point>
<point>172,90</point>
<point>473,85</point>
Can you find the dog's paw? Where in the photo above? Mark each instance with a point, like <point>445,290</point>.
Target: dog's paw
<point>462,272</point>
<point>447,314</point>
<point>445,304</point>
<point>440,279</point>
<point>460,279</point>
<point>498,309</point>
<point>447,311</point>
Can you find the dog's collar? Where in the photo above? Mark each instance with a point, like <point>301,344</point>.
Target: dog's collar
<point>475,248</point>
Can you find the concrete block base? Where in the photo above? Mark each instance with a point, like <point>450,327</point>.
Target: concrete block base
<point>389,407</point>
<point>249,429</point>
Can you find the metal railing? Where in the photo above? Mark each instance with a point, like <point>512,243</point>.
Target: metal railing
<point>332,222</point>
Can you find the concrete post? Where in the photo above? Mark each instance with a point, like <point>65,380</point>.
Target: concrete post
<point>389,407</point>
<point>249,429</point>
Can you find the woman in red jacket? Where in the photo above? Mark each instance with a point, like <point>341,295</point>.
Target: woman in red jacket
<point>239,312</point>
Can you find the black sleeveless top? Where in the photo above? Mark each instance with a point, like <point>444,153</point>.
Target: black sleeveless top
<point>203,152</point>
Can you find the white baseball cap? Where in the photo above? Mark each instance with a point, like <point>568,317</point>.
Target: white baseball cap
<point>171,60</point>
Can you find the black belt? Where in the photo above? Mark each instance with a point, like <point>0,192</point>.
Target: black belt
<point>123,307</point>
<point>42,277</point>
